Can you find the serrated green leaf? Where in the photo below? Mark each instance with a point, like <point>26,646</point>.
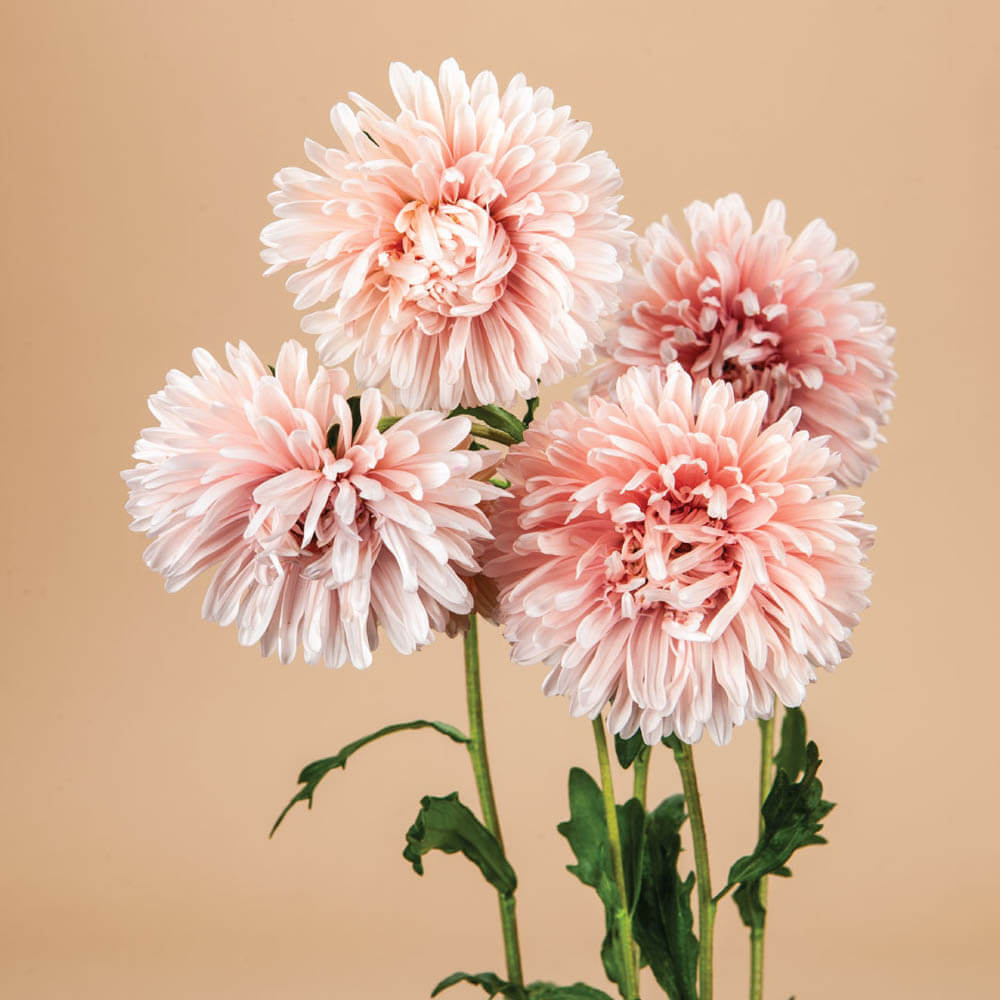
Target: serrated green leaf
<point>793,814</point>
<point>587,833</point>
<point>489,981</point>
<point>791,755</point>
<point>494,986</point>
<point>748,902</point>
<point>577,991</point>
<point>493,416</point>
<point>312,774</point>
<point>627,750</point>
<point>445,824</point>
<point>663,921</point>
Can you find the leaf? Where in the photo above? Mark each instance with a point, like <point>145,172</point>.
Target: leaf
<point>578,991</point>
<point>751,906</point>
<point>587,833</point>
<point>332,436</point>
<point>791,756</point>
<point>495,417</point>
<point>312,774</point>
<point>793,814</point>
<point>627,750</point>
<point>445,824</point>
<point>489,981</point>
<point>494,985</point>
<point>663,921</point>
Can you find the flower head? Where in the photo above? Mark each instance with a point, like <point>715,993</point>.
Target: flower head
<point>764,312</point>
<point>322,526</point>
<point>672,553</point>
<point>470,247</point>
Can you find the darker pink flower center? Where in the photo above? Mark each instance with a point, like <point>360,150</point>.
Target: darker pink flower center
<point>676,550</point>
<point>451,260</point>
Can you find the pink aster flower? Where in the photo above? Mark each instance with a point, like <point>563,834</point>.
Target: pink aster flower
<point>675,555</point>
<point>322,527</point>
<point>764,312</point>
<point>470,247</point>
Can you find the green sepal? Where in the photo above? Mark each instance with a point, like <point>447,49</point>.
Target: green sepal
<point>663,922</point>
<point>493,416</point>
<point>354,405</point>
<point>627,750</point>
<point>529,413</point>
<point>445,824</point>
<point>312,774</point>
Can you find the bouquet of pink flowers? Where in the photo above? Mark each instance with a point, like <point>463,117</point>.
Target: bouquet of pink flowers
<point>673,547</point>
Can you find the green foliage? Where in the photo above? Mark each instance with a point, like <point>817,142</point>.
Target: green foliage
<point>494,985</point>
<point>663,920</point>
<point>658,900</point>
<point>578,991</point>
<point>494,416</point>
<point>386,422</point>
<point>793,814</point>
<point>791,755</point>
<point>489,981</point>
<point>332,436</point>
<point>445,824</point>
<point>627,750</point>
<point>312,774</point>
<point>587,833</point>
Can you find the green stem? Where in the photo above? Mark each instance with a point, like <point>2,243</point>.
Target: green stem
<point>492,434</point>
<point>627,951</point>
<point>684,756</point>
<point>640,775</point>
<point>487,802</point>
<point>757,933</point>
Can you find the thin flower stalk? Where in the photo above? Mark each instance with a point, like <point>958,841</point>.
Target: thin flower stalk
<point>627,952</point>
<point>757,933</point>
<point>487,800</point>
<point>684,755</point>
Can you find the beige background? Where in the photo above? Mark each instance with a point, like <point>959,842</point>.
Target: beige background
<point>143,754</point>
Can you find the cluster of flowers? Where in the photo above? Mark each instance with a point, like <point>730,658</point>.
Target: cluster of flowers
<point>673,547</point>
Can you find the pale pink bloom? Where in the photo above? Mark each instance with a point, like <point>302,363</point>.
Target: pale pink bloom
<point>675,555</point>
<point>764,312</point>
<point>470,247</point>
<point>321,530</point>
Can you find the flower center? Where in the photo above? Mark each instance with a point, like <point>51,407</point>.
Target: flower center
<point>451,260</point>
<point>675,549</point>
